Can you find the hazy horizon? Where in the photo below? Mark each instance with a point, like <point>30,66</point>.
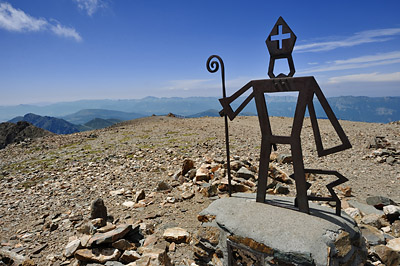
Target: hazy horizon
<point>127,99</point>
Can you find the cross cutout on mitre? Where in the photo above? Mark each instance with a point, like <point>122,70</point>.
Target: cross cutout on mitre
<point>280,43</point>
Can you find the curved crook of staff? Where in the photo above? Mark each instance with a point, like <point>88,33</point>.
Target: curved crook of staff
<point>212,67</point>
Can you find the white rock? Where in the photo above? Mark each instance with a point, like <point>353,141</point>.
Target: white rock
<point>128,204</point>
<point>353,212</point>
<point>391,209</point>
<point>71,247</point>
<point>394,244</point>
<point>170,199</point>
<point>117,192</point>
<point>386,229</point>
<point>176,234</point>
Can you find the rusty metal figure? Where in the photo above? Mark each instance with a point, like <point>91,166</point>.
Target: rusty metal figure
<point>280,44</point>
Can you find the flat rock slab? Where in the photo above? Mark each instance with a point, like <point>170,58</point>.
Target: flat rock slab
<point>365,208</point>
<point>284,230</point>
<point>111,236</point>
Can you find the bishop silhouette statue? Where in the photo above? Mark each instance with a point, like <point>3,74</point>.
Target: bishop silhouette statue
<point>280,43</point>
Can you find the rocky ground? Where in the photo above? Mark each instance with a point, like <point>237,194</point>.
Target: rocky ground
<point>48,184</point>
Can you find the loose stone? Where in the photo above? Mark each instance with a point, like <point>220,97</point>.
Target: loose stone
<point>129,256</point>
<point>176,234</point>
<point>71,247</point>
<point>245,173</point>
<point>140,195</point>
<point>387,255</point>
<point>98,210</point>
<point>99,255</point>
<point>111,236</point>
<point>163,186</point>
<point>394,244</point>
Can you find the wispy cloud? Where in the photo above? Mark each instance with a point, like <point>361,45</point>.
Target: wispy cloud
<point>188,84</point>
<point>90,6</point>
<point>208,86</point>
<point>358,38</point>
<point>63,31</point>
<point>370,58</point>
<point>367,77</point>
<point>356,62</point>
<point>13,19</point>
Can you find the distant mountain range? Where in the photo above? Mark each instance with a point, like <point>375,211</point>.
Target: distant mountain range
<point>61,126</point>
<point>69,117</point>
<point>98,123</point>
<point>86,115</point>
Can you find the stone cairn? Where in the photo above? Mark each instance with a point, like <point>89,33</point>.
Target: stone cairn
<point>383,151</point>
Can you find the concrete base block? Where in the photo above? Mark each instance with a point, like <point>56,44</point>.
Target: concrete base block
<point>253,233</point>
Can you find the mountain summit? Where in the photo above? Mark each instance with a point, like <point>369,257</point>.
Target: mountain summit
<point>10,132</point>
<point>52,124</point>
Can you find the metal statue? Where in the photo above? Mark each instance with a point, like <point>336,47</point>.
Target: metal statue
<point>280,43</point>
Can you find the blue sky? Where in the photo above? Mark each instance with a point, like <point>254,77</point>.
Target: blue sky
<point>65,50</point>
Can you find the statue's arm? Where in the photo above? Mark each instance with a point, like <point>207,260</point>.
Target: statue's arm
<point>226,102</point>
<point>332,119</point>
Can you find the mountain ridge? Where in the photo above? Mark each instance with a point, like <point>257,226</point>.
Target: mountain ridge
<point>17,132</point>
<point>85,115</point>
<point>52,124</point>
<point>354,108</point>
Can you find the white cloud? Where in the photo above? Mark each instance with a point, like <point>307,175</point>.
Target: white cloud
<point>13,19</point>
<point>358,38</point>
<point>90,6</point>
<point>208,84</point>
<point>370,58</point>
<point>188,84</point>
<point>367,77</point>
<point>63,31</point>
<point>357,62</point>
<point>16,20</point>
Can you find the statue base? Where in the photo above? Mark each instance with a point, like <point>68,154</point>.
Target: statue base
<point>253,233</point>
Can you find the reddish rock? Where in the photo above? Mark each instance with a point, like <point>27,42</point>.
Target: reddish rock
<point>108,227</point>
<point>124,244</point>
<point>176,234</point>
<point>150,240</point>
<point>275,173</point>
<point>387,255</point>
<point>202,174</point>
<point>97,255</point>
<point>154,257</point>
<point>172,247</point>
